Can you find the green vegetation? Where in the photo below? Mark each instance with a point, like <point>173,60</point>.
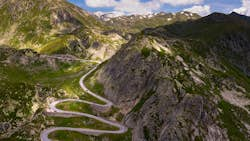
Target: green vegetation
<point>92,83</point>
<point>76,107</point>
<point>231,117</point>
<point>67,79</point>
<point>193,68</point>
<point>146,133</point>
<point>96,87</point>
<point>198,138</point>
<point>145,52</point>
<point>75,136</point>
<point>56,44</point>
<point>42,27</point>
<point>241,78</point>
<point>6,18</point>
<point>15,96</point>
<point>139,105</point>
<point>46,76</point>
<point>73,89</point>
<point>80,122</point>
<point>22,87</point>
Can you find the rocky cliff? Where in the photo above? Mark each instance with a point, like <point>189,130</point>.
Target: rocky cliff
<point>179,83</point>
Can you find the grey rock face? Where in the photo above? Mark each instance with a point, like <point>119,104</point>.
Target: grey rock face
<point>162,109</point>
<point>168,105</point>
<point>236,48</point>
<point>130,79</point>
<point>167,117</point>
<point>29,59</point>
<point>4,127</point>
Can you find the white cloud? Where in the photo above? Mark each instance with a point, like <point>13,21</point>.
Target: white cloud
<point>245,9</point>
<point>241,10</point>
<point>181,2</point>
<point>109,14</point>
<point>100,3</point>
<point>137,6</point>
<point>127,6</point>
<point>201,10</point>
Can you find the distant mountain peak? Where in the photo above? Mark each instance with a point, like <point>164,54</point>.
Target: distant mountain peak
<point>111,15</point>
<point>221,17</point>
<point>235,13</point>
<point>107,16</point>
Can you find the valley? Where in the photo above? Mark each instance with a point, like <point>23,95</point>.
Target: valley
<point>70,88</point>
<point>68,74</point>
<point>56,112</point>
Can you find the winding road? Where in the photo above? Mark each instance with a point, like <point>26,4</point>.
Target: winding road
<point>61,113</point>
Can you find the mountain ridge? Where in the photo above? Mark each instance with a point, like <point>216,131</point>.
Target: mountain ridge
<point>136,23</point>
<point>184,79</point>
<point>54,27</point>
<point>170,76</point>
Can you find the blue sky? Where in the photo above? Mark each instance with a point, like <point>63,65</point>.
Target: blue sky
<point>202,7</point>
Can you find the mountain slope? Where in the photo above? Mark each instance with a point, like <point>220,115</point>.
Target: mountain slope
<point>32,74</point>
<point>56,26</point>
<point>226,35</point>
<point>27,80</point>
<point>136,23</point>
<point>184,81</point>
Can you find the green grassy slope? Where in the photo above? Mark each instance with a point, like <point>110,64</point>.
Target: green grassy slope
<point>52,27</point>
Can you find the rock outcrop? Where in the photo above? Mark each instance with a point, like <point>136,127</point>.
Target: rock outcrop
<point>171,91</point>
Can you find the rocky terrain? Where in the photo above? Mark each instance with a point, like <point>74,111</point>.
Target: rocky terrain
<point>177,82</point>
<point>136,23</point>
<point>168,76</point>
<point>52,27</point>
